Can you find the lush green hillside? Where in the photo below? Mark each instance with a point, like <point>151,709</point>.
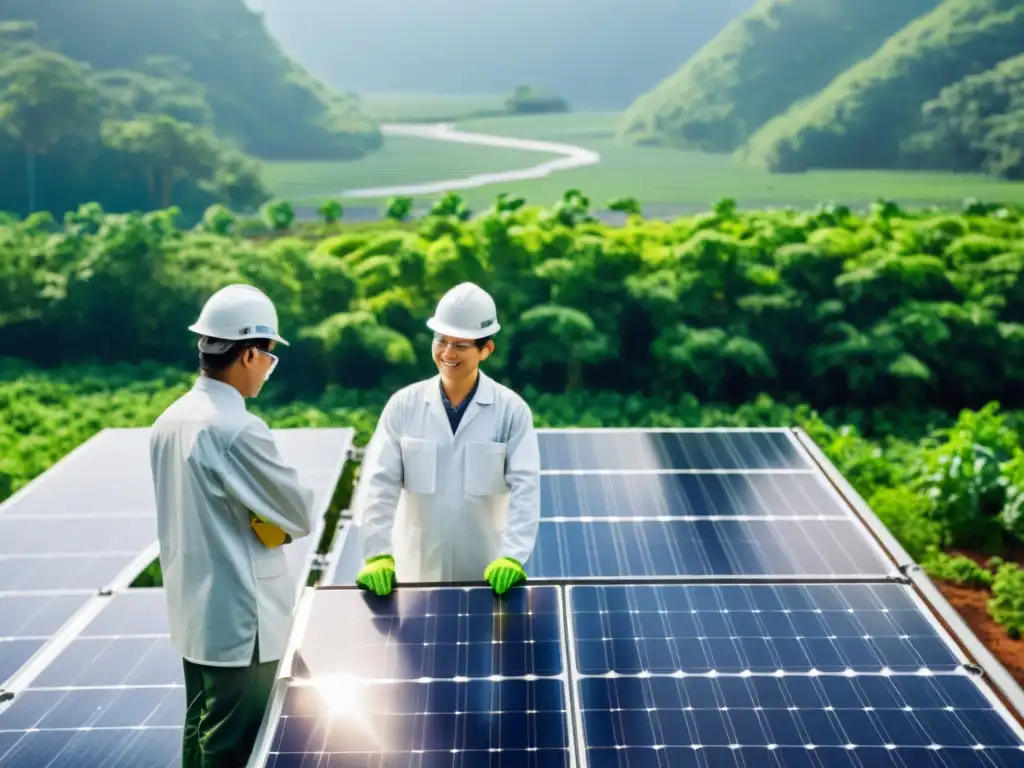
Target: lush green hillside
<point>776,54</point>
<point>257,96</point>
<point>861,119</point>
<point>125,138</point>
<point>977,122</point>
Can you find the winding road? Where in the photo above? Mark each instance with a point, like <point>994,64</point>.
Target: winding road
<point>567,156</point>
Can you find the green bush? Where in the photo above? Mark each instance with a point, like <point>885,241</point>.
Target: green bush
<point>907,515</point>
<point>1007,603</point>
<point>829,307</point>
<point>957,569</point>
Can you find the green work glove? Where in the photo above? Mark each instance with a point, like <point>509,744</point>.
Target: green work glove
<point>504,573</point>
<point>378,575</point>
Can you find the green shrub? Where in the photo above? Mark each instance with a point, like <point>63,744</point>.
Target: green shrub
<point>1007,603</point>
<point>957,569</point>
<point>906,514</point>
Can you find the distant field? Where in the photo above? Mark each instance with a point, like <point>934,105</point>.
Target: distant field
<point>665,176</point>
<point>402,161</point>
<point>655,176</point>
<point>403,107</point>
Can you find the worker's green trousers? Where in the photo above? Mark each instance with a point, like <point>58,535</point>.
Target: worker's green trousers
<point>224,709</point>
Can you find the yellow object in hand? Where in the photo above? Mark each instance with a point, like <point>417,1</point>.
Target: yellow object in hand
<point>268,533</point>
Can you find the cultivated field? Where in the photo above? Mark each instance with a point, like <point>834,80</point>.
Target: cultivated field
<point>656,177</point>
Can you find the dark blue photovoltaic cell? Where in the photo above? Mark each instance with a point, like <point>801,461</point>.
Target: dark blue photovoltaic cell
<point>438,633</point>
<point>625,549</point>
<point>509,723</point>
<point>757,628</point>
<point>636,449</point>
<point>76,714</point>
<point>703,548</point>
<point>678,495</point>
<point>95,708</point>
<point>889,721</point>
<point>135,612</point>
<point>14,652</point>
<point>115,748</point>
<point>402,663</point>
<point>120,661</point>
<point>37,615</point>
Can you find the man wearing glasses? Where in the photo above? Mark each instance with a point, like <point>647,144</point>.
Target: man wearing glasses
<point>226,502</point>
<point>450,487</point>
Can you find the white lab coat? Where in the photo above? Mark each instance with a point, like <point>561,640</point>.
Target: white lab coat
<point>447,505</point>
<point>212,462</point>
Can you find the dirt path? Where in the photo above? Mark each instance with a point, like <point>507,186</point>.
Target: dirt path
<point>566,157</point>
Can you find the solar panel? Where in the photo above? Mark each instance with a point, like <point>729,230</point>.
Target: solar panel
<point>95,534</point>
<point>113,696</point>
<point>641,449</point>
<point>27,622</point>
<point>672,549</point>
<point>695,548</point>
<point>732,629</point>
<point>446,676</point>
<point>65,493</point>
<point>42,573</point>
<point>775,495</point>
<point>846,675</point>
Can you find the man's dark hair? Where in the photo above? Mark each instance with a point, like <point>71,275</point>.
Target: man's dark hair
<point>481,343</point>
<point>220,362</point>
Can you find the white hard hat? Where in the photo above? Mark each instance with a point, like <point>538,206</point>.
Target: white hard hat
<point>234,313</point>
<point>467,311</point>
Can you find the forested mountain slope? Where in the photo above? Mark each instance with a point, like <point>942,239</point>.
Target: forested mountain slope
<point>257,96</point>
<point>863,118</point>
<point>777,53</point>
<point>977,122</point>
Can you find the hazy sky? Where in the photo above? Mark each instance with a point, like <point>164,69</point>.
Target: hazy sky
<point>597,53</point>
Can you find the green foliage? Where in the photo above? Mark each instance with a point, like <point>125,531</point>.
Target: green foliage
<point>255,94</point>
<point>863,116</point>
<point>958,569</point>
<point>527,100</point>
<point>779,52</point>
<point>1007,603</point>
<point>978,122</point>
<point>70,132</point>
<point>907,515</point>
<point>961,470</point>
<point>830,307</point>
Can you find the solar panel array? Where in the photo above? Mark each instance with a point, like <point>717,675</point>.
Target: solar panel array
<point>94,677</point>
<point>696,598</point>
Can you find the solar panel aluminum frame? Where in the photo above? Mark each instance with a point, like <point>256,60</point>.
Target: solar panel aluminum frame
<point>285,672</point>
<point>938,607</point>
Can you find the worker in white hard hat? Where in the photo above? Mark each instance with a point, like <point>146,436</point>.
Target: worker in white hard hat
<point>226,501</point>
<point>450,486</point>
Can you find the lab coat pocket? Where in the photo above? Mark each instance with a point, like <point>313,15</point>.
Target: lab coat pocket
<point>270,563</point>
<point>419,463</point>
<point>485,469</point>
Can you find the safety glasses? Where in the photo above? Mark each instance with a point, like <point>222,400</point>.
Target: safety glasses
<point>458,346</point>
<point>273,362</point>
